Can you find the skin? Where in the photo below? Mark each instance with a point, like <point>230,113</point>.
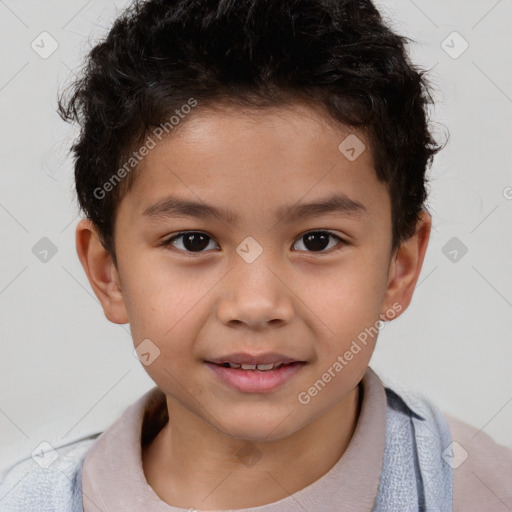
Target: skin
<point>292,299</point>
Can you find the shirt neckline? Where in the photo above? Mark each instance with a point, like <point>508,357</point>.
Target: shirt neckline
<point>113,478</point>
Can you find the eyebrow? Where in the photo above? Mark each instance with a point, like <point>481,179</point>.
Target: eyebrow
<point>175,207</point>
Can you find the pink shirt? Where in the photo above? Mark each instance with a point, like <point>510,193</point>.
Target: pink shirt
<point>113,478</point>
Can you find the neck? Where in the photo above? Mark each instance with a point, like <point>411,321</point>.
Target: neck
<point>191,464</point>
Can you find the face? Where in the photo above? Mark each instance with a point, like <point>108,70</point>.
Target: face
<point>264,273</point>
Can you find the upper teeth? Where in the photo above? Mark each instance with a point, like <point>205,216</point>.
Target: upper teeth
<point>244,366</point>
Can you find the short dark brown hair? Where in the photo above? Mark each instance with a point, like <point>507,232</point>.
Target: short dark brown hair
<point>336,53</point>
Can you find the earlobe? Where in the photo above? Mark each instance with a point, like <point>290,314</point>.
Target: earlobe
<point>101,271</point>
<point>406,266</point>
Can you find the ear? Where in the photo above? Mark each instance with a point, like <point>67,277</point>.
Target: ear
<point>405,268</point>
<point>101,271</point>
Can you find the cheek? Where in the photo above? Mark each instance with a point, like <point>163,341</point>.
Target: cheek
<point>350,296</point>
<point>171,340</point>
<point>157,296</point>
<point>167,312</point>
<point>349,304</point>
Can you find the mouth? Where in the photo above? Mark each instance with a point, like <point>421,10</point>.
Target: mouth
<point>257,367</point>
<point>255,377</point>
<point>248,361</point>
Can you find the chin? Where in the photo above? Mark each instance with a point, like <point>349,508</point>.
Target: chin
<point>260,428</point>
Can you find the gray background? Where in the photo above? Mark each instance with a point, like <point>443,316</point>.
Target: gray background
<point>65,371</point>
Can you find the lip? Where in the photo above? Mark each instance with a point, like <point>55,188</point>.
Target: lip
<point>263,358</point>
<point>256,381</point>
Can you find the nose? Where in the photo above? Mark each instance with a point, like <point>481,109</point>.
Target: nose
<point>255,295</point>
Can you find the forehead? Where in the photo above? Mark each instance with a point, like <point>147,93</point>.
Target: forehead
<point>269,159</point>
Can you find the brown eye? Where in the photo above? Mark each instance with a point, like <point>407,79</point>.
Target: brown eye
<point>192,241</point>
<point>317,241</point>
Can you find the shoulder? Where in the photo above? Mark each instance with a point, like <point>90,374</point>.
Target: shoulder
<point>50,480</point>
<point>482,469</point>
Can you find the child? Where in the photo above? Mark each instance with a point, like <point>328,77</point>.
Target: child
<point>254,128</point>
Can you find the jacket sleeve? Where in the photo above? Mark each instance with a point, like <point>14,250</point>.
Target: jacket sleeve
<point>48,482</point>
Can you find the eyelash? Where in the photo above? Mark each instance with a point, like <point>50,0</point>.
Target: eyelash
<point>168,242</point>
